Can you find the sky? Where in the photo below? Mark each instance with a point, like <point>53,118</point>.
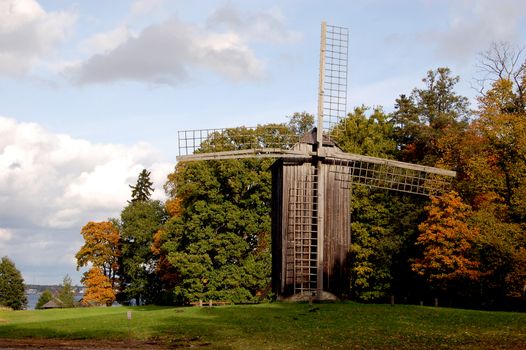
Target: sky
<point>92,92</point>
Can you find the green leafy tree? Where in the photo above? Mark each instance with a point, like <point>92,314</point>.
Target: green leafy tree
<point>11,286</point>
<point>220,244</point>
<point>370,135</point>
<point>500,248</point>
<point>140,221</point>
<point>66,293</point>
<point>218,241</point>
<point>143,188</point>
<point>301,123</point>
<point>44,298</point>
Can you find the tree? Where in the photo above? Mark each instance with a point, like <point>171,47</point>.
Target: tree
<point>218,239</point>
<point>428,114</point>
<point>66,294</point>
<point>101,248</point>
<point>140,221</point>
<point>219,245</point>
<point>143,189</point>
<point>301,123</point>
<point>501,62</point>
<point>370,135</point>
<point>99,290</point>
<point>447,243</point>
<point>503,126</point>
<point>44,298</point>
<point>501,250</point>
<point>12,293</point>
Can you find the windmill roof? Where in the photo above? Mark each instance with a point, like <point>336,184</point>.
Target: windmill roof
<point>311,139</point>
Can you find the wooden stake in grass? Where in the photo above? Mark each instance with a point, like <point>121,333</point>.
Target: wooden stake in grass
<point>129,316</point>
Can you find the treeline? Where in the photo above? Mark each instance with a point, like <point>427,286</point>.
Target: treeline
<point>211,238</point>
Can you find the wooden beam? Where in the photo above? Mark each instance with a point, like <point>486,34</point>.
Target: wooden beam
<point>246,153</point>
<point>323,43</point>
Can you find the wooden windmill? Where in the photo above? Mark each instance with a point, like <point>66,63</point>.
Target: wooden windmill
<point>312,184</point>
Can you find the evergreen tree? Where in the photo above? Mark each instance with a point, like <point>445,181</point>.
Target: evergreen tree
<point>427,115</point>
<point>12,292</point>
<point>66,295</point>
<point>143,189</point>
<point>45,297</point>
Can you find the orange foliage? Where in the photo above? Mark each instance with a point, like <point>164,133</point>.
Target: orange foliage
<point>164,268</point>
<point>98,288</point>
<point>173,207</point>
<point>447,242</point>
<point>101,247</point>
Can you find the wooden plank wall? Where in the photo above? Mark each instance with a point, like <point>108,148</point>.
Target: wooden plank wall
<point>337,227</point>
<point>337,233</point>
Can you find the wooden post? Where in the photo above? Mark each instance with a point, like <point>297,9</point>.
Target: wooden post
<point>320,227</point>
<point>392,300</point>
<point>323,45</point>
<point>436,302</point>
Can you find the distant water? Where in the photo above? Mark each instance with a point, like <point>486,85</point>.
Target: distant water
<point>32,300</point>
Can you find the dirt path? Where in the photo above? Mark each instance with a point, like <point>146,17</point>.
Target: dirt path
<point>13,344</point>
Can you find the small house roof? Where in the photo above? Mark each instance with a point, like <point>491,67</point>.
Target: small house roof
<point>52,304</point>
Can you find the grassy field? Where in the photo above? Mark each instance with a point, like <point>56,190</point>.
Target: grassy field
<point>278,326</point>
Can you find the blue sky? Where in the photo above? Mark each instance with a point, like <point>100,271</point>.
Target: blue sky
<point>94,91</point>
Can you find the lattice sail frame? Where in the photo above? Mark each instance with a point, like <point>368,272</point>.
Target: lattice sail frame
<point>229,139</point>
<point>332,89</point>
<point>391,175</point>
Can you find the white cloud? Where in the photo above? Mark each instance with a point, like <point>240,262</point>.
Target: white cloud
<point>106,41</point>
<point>5,234</point>
<point>472,27</point>
<point>28,34</point>
<point>144,7</point>
<point>52,184</point>
<point>266,26</point>
<point>74,178</point>
<point>166,53</point>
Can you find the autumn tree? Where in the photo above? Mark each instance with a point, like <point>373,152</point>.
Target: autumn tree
<point>12,293</point>
<point>101,248</point>
<point>99,290</point>
<point>447,243</point>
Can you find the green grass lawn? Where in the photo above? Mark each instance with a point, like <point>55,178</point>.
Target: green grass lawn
<point>279,326</point>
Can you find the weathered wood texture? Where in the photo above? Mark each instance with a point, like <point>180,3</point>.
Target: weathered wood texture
<point>296,247</point>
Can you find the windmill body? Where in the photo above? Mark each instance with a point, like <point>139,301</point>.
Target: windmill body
<point>312,186</point>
